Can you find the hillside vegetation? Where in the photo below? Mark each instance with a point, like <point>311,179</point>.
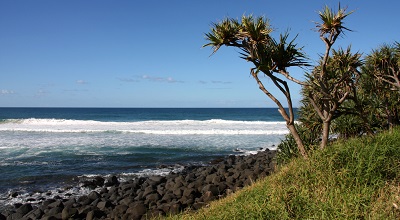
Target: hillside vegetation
<point>353,179</point>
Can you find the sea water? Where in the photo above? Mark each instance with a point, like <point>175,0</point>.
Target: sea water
<point>45,149</point>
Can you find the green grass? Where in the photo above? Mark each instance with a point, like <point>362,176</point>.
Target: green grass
<point>353,179</point>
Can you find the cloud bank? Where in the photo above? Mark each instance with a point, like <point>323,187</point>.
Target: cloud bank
<point>6,92</point>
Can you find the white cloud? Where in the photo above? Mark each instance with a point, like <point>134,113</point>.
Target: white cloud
<point>41,93</point>
<point>6,92</point>
<point>127,79</point>
<point>221,82</point>
<point>81,82</point>
<point>214,82</point>
<point>160,79</point>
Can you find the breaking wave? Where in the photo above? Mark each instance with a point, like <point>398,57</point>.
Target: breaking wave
<point>174,127</point>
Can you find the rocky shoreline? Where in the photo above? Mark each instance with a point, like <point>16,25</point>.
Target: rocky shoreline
<point>147,197</point>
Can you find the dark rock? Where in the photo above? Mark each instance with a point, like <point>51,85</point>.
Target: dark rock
<point>112,181</point>
<point>104,205</point>
<point>157,179</point>
<point>14,194</point>
<point>15,216</point>
<point>17,205</point>
<point>84,200</point>
<point>94,214</point>
<point>217,161</point>
<point>69,202</point>
<point>95,202</point>
<point>129,186</point>
<point>168,197</point>
<point>24,209</point>
<point>209,178</point>
<point>94,195</point>
<point>148,191</point>
<point>85,209</point>
<point>161,189</point>
<point>198,205</point>
<point>120,209</point>
<point>34,214</point>
<point>188,191</point>
<point>114,197</point>
<point>208,196</point>
<point>98,181</point>
<point>175,209</point>
<point>147,197</point>
<point>126,201</point>
<point>178,192</point>
<point>31,200</point>
<point>138,208</point>
<point>51,218</point>
<point>211,188</point>
<point>54,211</point>
<point>56,204</point>
<point>152,198</point>
<point>69,212</point>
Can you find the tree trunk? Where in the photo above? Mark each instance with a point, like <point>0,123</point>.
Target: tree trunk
<point>298,140</point>
<point>389,115</point>
<point>325,134</point>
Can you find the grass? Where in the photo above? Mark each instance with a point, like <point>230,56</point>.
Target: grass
<point>353,179</point>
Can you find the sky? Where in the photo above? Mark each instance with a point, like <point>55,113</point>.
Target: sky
<point>125,53</point>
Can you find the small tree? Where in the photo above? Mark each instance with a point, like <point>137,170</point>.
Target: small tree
<point>384,64</point>
<point>269,56</point>
<point>327,92</point>
<point>382,69</point>
<point>331,82</point>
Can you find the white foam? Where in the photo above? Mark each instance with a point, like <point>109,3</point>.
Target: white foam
<point>175,127</point>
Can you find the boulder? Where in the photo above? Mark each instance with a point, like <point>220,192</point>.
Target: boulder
<point>69,212</point>
<point>24,209</point>
<point>111,181</point>
<point>138,208</point>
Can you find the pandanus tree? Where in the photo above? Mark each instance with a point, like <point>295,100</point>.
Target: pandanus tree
<point>382,67</point>
<point>328,92</point>
<point>384,64</point>
<point>332,81</point>
<point>271,58</point>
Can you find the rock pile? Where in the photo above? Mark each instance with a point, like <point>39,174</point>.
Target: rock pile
<point>147,197</point>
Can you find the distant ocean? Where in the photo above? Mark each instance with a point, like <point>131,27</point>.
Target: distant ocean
<point>44,149</point>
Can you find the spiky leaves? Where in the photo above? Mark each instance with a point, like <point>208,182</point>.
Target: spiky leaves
<point>286,54</point>
<point>223,33</point>
<point>331,25</point>
<point>342,75</point>
<point>384,64</point>
<point>339,82</point>
<point>252,36</point>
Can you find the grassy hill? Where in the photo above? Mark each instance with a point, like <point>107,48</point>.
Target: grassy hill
<point>353,179</point>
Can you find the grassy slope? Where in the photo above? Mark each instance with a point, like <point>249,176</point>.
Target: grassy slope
<point>356,179</point>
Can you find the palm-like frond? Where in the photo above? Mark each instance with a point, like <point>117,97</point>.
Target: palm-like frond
<point>331,22</point>
<point>286,54</point>
<point>383,58</point>
<point>252,37</point>
<point>345,60</point>
<point>256,30</point>
<point>397,48</point>
<point>222,33</point>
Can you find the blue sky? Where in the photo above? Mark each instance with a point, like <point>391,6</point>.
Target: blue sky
<point>103,53</point>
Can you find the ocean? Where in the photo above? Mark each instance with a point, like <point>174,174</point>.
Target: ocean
<point>43,150</point>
